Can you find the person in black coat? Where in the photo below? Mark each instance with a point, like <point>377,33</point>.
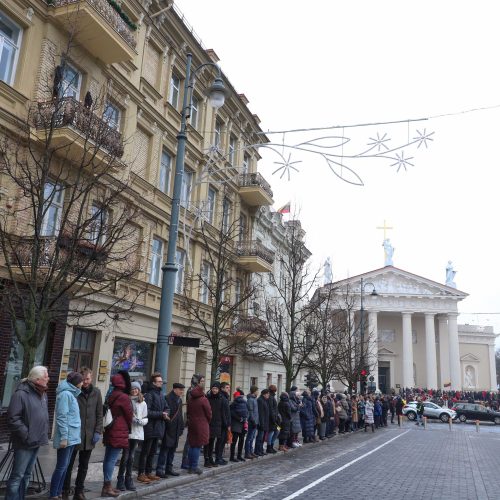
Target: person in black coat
<point>239,425</point>
<point>154,429</point>
<point>285,412</point>
<point>385,410</point>
<point>225,389</point>
<point>273,419</point>
<point>263,426</point>
<point>215,399</point>
<point>399,409</point>
<point>174,427</point>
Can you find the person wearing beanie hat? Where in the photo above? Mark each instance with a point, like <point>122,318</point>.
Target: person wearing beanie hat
<point>239,425</point>
<point>215,384</point>
<point>293,388</point>
<point>214,397</point>
<point>236,394</point>
<point>274,419</point>
<point>66,429</point>
<point>253,420</point>
<point>136,385</point>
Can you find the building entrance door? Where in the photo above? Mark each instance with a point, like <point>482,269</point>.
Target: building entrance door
<point>384,379</point>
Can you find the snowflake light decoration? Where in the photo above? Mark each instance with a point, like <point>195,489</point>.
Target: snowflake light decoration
<point>423,137</point>
<point>286,166</point>
<point>402,162</point>
<point>379,142</point>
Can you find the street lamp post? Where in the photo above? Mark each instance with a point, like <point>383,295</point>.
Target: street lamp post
<point>216,94</point>
<point>362,327</point>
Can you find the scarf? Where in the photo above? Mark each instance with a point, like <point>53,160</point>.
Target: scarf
<point>39,388</point>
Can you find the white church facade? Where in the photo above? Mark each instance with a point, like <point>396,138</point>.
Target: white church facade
<point>415,334</point>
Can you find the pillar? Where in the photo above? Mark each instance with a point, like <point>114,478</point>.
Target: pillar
<point>373,345</point>
<point>430,352</point>
<point>455,375</point>
<point>407,351</point>
<point>444,359</point>
<point>493,369</point>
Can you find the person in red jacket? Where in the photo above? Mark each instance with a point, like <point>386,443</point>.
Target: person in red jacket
<point>116,435</point>
<point>199,415</point>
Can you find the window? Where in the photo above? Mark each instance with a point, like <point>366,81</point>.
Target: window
<point>156,262</point>
<point>175,85</point>
<point>205,281</point>
<point>187,185</point>
<point>237,292</point>
<point>246,163</point>
<point>165,169</point>
<point>232,149</point>
<point>82,349</point>
<point>253,381</point>
<point>71,82</point>
<point>387,336</point>
<point>194,112</point>
<point>10,43</point>
<point>112,116</point>
<point>212,198</point>
<point>217,134</point>
<point>243,227</point>
<point>99,217</point>
<point>53,199</point>
<point>226,209</point>
<point>180,258</point>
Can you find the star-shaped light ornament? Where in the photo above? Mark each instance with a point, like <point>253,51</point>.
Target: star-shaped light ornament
<point>423,138</point>
<point>286,166</point>
<point>402,162</point>
<point>379,142</point>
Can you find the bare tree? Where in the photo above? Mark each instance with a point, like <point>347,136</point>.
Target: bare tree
<point>287,312</point>
<point>67,232</point>
<point>221,296</point>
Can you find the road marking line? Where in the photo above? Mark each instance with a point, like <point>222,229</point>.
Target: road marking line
<point>340,469</point>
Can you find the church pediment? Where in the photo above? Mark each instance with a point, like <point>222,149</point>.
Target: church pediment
<point>383,351</point>
<point>469,358</point>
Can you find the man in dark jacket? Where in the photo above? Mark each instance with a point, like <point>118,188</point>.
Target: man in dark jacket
<point>225,390</point>
<point>273,419</point>
<point>90,403</point>
<point>173,431</point>
<point>153,430</point>
<point>215,399</point>
<point>263,425</point>
<point>253,420</point>
<point>28,422</point>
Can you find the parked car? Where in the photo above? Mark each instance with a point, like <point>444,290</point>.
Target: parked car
<point>474,411</point>
<point>431,410</point>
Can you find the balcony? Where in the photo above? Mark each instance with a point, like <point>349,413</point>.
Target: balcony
<point>254,257</point>
<point>249,328</point>
<point>77,131</point>
<point>254,190</point>
<point>97,27</point>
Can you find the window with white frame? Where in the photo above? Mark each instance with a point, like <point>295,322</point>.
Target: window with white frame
<point>156,261</point>
<point>218,133</point>
<point>71,82</point>
<point>187,185</point>
<point>10,43</point>
<point>175,85</point>
<point>212,198</point>
<point>205,281</point>
<point>112,115</point>
<point>165,171</point>
<point>99,218</point>
<point>232,149</point>
<point>246,163</point>
<point>226,209</point>
<point>193,120</point>
<point>53,195</point>
<point>180,258</point>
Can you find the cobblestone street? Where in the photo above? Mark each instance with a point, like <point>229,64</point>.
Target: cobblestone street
<point>391,463</point>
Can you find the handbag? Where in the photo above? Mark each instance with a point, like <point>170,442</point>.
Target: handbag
<point>107,420</point>
<point>229,437</point>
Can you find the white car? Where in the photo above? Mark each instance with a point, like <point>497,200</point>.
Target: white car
<point>431,410</point>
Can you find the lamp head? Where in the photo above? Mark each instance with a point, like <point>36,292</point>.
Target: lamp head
<point>374,293</point>
<point>217,93</point>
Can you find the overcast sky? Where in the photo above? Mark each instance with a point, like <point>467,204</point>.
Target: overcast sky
<point>328,62</point>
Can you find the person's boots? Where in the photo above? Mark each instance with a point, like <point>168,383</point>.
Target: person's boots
<point>79,495</point>
<point>207,462</point>
<point>120,483</point>
<point>108,490</point>
<point>212,462</point>
<point>129,483</point>
<point>65,494</point>
<point>171,472</point>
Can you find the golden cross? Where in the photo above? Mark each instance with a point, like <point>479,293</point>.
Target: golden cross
<point>385,227</point>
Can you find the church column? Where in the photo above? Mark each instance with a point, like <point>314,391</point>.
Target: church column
<point>493,370</point>
<point>407,351</point>
<point>455,375</point>
<point>373,345</point>
<point>444,359</point>
<point>430,351</point>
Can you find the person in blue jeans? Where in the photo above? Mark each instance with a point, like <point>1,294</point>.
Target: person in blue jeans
<point>67,429</point>
<point>253,420</point>
<point>28,423</point>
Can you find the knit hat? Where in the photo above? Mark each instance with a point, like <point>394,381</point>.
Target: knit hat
<point>177,385</point>
<point>74,378</point>
<point>236,394</point>
<point>136,385</point>
<point>215,384</point>
<point>293,388</point>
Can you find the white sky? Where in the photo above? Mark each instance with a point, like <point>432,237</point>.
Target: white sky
<point>330,62</point>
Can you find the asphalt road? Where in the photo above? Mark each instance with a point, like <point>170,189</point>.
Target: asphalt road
<point>392,463</point>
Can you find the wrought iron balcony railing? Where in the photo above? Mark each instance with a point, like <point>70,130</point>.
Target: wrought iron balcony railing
<point>250,325</point>
<point>255,180</point>
<point>254,249</point>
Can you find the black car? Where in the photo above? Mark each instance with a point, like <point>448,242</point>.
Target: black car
<point>473,411</point>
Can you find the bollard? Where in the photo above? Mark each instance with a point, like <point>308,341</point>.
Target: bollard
<point>425,422</point>
<point>450,420</point>
<point>477,425</point>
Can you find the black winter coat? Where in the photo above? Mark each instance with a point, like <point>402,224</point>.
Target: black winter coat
<point>226,412</point>
<point>263,406</point>
<point>175,426</point>
<point>285,411</point>
<point>239,414</point>
<point>273,411</point>
<point>307,416</point>
<point>216,403</point>
<point>157,404</point>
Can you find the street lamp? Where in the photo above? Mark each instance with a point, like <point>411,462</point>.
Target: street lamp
<point>216,95</point>
<point>362,327</point>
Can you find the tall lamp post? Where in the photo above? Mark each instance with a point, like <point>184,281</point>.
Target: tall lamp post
<point>362,328</point>
<point>216,95</point>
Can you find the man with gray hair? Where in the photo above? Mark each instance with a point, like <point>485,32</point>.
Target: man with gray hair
<point>28,422</point>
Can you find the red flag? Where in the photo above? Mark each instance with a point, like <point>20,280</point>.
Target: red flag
<point>285,209</point>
